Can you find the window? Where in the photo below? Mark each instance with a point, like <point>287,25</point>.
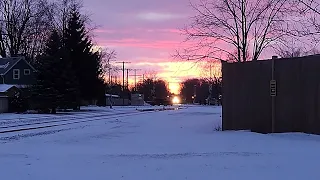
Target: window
<point>16,74</point>
<point>27,72</point>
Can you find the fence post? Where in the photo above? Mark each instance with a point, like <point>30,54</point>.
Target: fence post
<point>273,95</point>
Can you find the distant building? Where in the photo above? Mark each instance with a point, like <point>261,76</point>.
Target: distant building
<point>137,100</point>
<point>116,100</point>
<point>6,92</point>
<point>16,71</point>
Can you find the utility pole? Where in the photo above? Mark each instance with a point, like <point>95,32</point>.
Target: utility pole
<point>135,74</point>
<point>109,71</point>
<point>210,87</point>
<point>127,79</point>
<point>123,75</point>
<point>194,93</point>
<point>123,88</point>
<point>135,78</point>
<point>210,72</point>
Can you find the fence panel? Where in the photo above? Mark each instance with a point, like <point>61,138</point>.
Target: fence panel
<point>247,100</point>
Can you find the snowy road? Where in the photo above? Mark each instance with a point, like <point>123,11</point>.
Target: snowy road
<point>168,145</point>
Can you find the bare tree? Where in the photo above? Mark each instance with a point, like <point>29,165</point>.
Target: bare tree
<point>24,25</point>
<point>310,11</point>
<point>106,57</point>
<point>151,74</point>
<point>210,70</point>
<point>62,10</point>
<point>302,29</point>
<point>235,30</point>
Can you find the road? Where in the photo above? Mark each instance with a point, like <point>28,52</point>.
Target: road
<point>179,144</point>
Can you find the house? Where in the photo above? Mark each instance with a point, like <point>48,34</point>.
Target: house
<point>17,71</point>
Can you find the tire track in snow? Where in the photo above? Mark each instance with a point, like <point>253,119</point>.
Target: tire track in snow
<point>182,155</point>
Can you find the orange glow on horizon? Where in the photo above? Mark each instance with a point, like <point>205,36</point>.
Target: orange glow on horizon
<point>174,88</point>
<point>176,72</point>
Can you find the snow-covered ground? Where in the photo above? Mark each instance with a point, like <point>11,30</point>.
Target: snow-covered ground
<point>167,145</point>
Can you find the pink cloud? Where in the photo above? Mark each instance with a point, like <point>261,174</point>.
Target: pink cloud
<point>139,43</point>
<point>150,30</point>
<point>159,16</point>
<point>141,31</point>
<point>108,31</point>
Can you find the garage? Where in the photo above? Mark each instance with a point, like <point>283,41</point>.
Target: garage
<point>4,104</point>
<point>6,91</point>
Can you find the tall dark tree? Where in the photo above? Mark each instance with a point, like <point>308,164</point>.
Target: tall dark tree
<point>153,89</point>
<point>189,88</point>
<point>56,82</point>
<point>217,88</point>
<point>201,89</point>
<point>147,89</point>
<point>85,62</point>
<point>161,89</point>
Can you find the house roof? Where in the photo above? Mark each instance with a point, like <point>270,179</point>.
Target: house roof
<point>5,87</point>
<point>112,95</point>
<point>6,64</point>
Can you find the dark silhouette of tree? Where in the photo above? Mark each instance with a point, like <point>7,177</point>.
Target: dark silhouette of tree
<point>56,84</point>
<point>198,90</point>
<point>188,89</point>
<point>85,62</point>
<point>241,30</point>
<point>146,88</point>
<point>24,27</point>
<point>161,89</point>
<point>152,89</point>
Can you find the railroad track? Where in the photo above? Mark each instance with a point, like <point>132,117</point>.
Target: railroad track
<point>52,117</point>
<point>64,122</point>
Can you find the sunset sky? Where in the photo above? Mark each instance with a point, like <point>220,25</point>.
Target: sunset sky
<point>144,32</point>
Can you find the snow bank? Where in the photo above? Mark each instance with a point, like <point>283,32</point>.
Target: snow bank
<point>167,145</point>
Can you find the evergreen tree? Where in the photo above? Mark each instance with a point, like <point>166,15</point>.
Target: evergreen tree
<point>85,62</point>
<point>56,82</point>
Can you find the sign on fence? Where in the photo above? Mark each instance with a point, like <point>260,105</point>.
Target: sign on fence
<point>273,88</point>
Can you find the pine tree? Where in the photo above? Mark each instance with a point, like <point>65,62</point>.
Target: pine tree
<point>44,93</point>
<point>56,82</point>
<point>85,62</point>
<point>67,82</point>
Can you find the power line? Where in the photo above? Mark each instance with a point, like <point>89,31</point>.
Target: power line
<point>135,78</point>
<point>123,63</point>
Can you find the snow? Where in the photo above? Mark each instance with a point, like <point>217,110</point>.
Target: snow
<point>5,87</point>
<point>112,95</point>
<point>4,66</point>
<point>162,145</point>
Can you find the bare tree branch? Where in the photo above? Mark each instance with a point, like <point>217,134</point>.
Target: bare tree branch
<point>241,30</point>
<point>24,25</point>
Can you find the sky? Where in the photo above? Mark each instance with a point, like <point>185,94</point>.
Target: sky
<point>145,33</point>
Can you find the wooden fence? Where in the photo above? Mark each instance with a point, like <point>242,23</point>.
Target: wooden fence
<point>247,101</point>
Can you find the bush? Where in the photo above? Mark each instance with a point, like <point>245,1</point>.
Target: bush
<point>18,103</point>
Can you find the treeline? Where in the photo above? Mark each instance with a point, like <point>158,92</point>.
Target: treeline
<point>153,89</point>
<point>199,90</point>
<point>192,90</point>
<point>149,87</point>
